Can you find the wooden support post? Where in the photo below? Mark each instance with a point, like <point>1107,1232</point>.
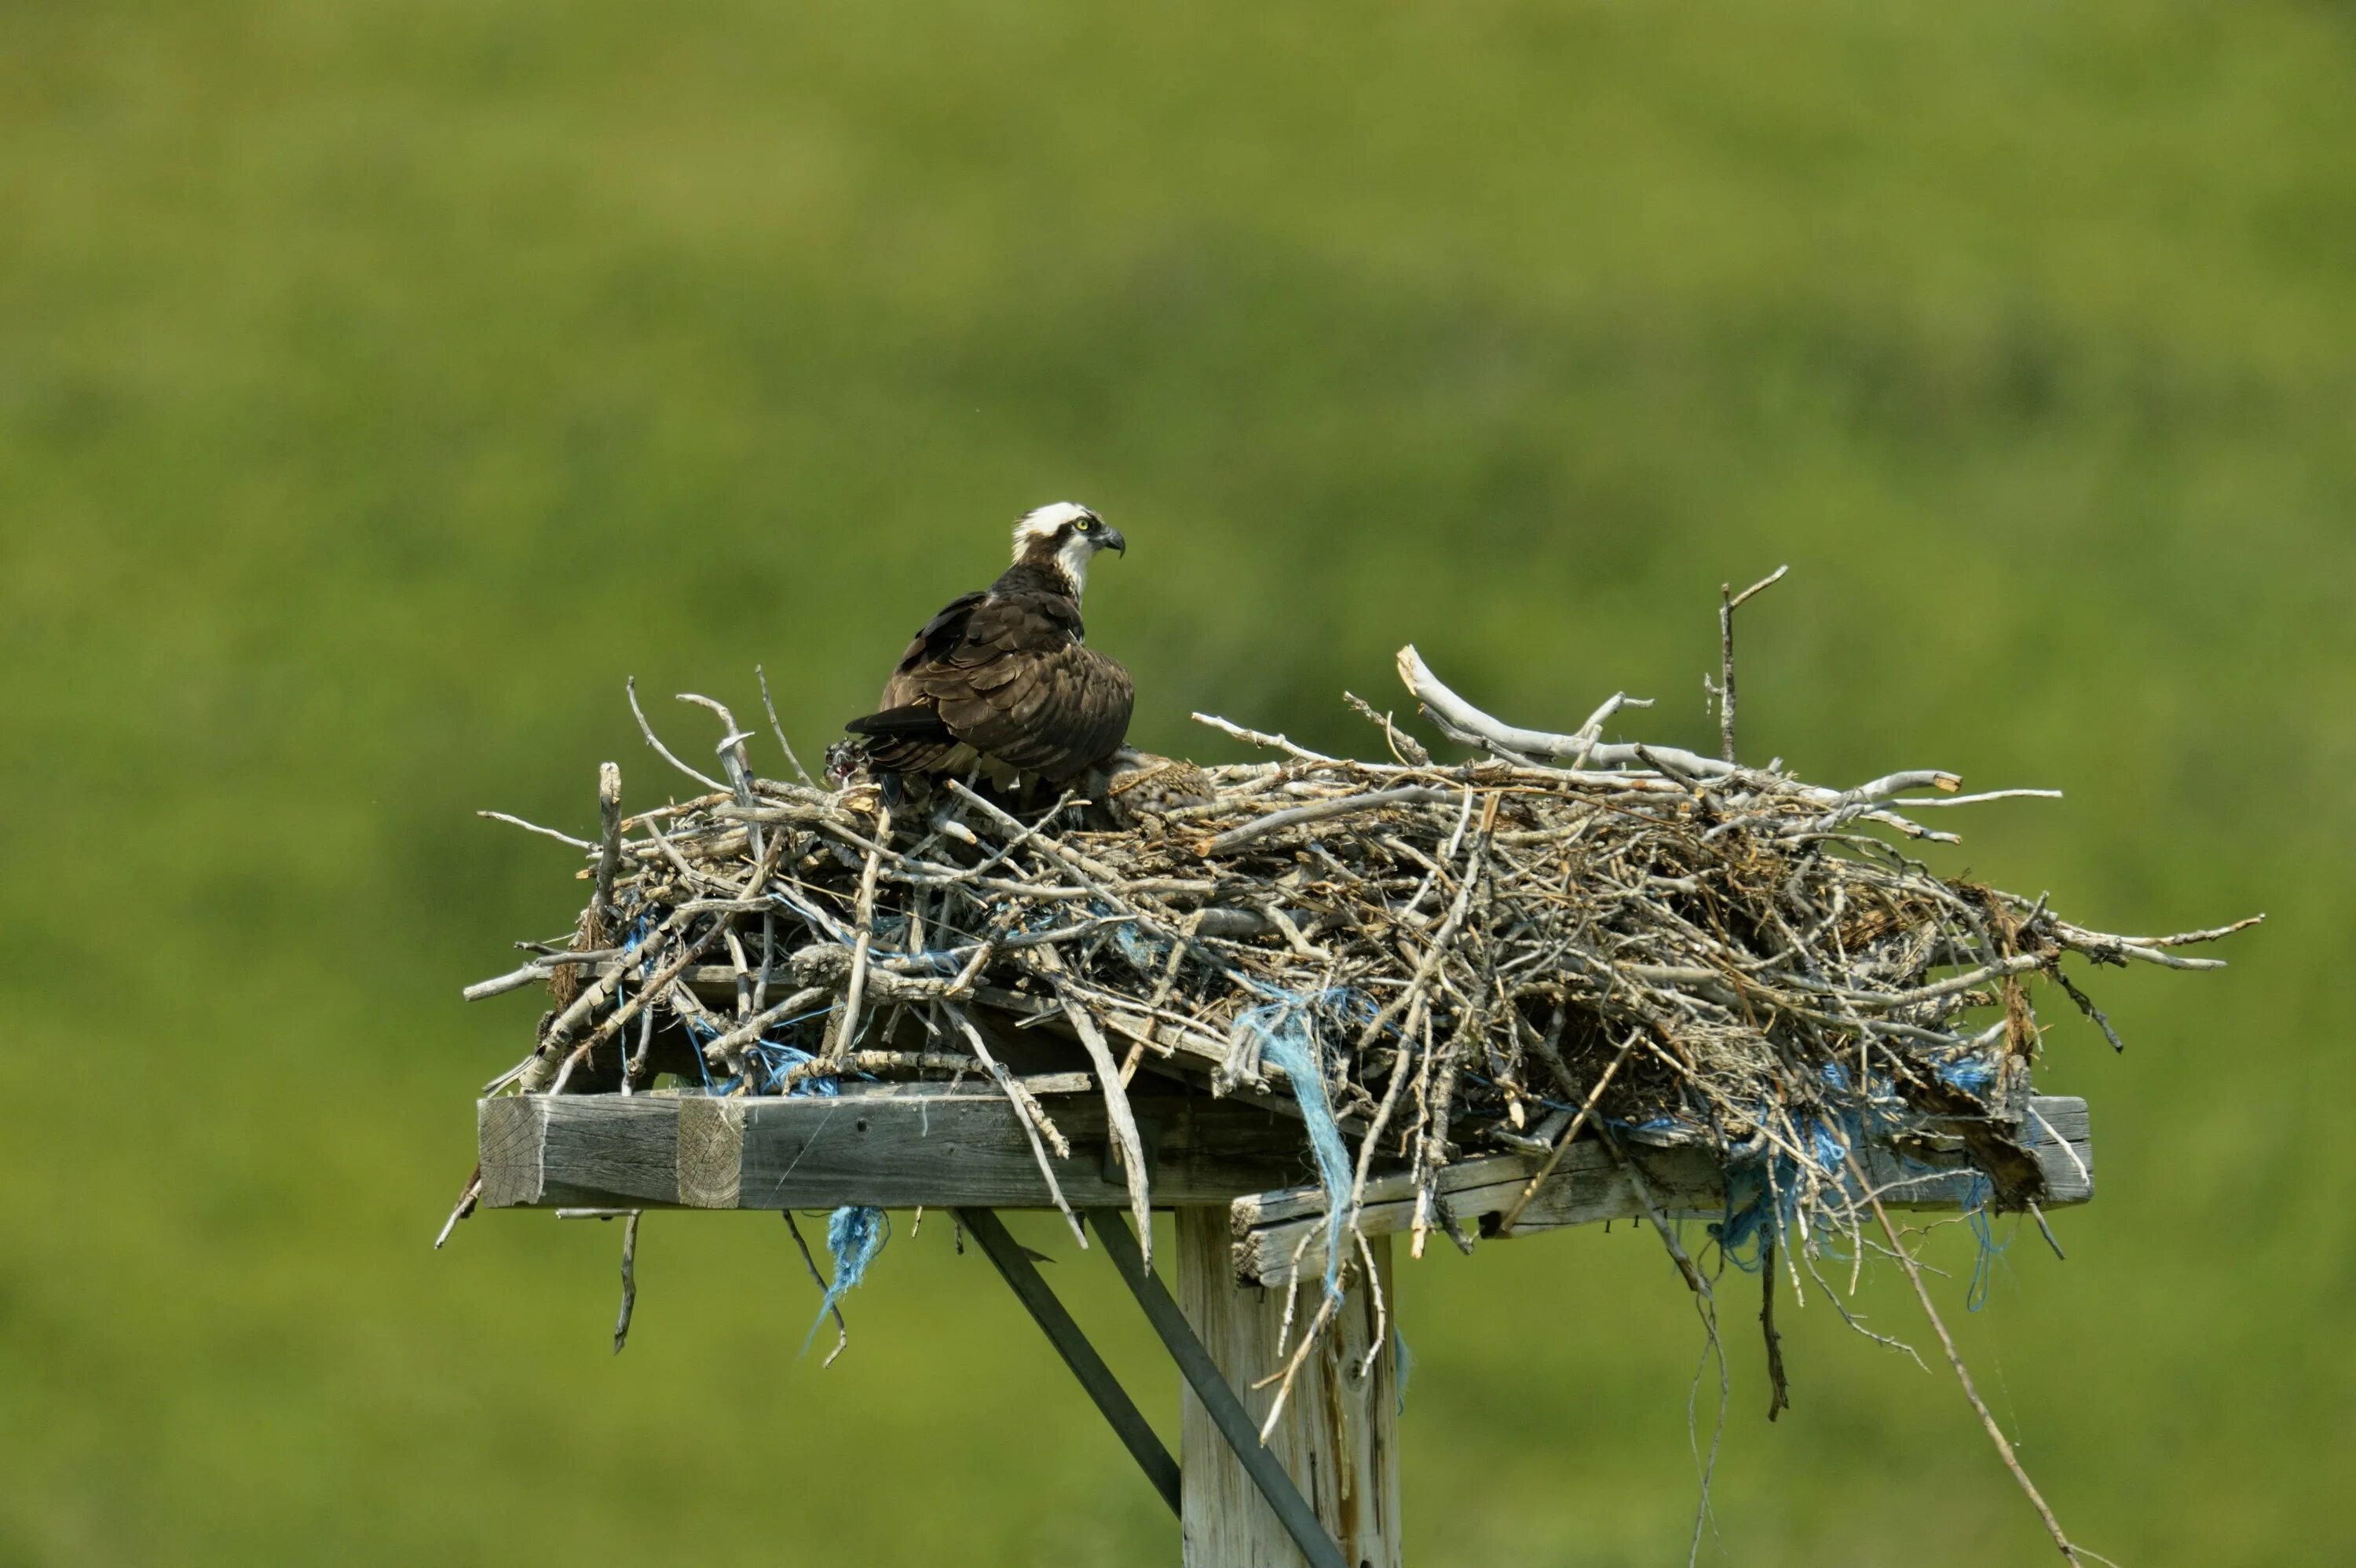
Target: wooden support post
<point>1338,1439</point>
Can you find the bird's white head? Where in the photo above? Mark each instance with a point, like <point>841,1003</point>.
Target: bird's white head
<point>1065,536</point>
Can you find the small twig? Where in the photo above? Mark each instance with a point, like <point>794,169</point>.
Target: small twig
<point>1255,738</point>
<point>1769,581</point>
<point>513,980</point>
<point>731,749</point>
<point>1404,746</point>
<point>2046,1231</point>
<point>1913,802</point>
<point>1779,1391</point>
<point>729,1049</point>
<point>461,1208</point>
<point>1955,1359</point>
<point>1453,712</point>
<point>1729,601</point>
<point>706,780</point>
<point>609,851</point>
<point>1724,689</point>
<point>1642,1188</point>
<point>1706,1465</point>
<point>2087,1006</point>
<point>779,730</point>
<point>629,1281</point>
<point>864,913</point>
<point>1379,1340</point>
<point>1292,1368</point>
<point>1591,731</point>
<point>536,828</point>
<point>1562,1144</point>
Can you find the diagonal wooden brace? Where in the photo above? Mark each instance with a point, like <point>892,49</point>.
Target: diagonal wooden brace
<point>1128,1422</point>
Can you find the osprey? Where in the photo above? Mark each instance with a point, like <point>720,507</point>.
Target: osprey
<point>1003,678</point>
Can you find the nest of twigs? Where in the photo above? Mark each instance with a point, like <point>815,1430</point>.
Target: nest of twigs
<point>1566,937</point>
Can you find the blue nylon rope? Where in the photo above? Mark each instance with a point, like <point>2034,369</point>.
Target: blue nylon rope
<point>854,1235</point>
<point>1288,1038</point>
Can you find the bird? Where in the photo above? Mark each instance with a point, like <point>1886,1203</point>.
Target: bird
<point>1003,678</point>
<point>1137,786</point>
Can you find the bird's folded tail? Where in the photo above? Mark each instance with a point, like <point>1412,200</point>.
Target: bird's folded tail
<point>913,722</point>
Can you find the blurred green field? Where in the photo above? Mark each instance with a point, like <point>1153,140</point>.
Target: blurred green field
<point>382,383</point>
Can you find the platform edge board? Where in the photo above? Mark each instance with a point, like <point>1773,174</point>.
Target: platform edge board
<point>884,1151</point>
<point>1281,1234</point>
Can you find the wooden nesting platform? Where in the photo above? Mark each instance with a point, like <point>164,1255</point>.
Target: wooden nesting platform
<point>1323,1489</point>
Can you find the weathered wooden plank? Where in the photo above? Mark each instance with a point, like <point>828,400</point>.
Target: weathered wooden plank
<point>973,1151</point>
<point>1298,1203</point>
<point>890,1151</point>
<point>1277,1234</point>
<point>952,1146</point>
<point>587,1156</point>
<point>1585,1182</point>
<point>1338,1438</point>
<point>2065,1151</point>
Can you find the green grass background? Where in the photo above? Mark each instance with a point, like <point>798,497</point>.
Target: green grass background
<point>382,383</point>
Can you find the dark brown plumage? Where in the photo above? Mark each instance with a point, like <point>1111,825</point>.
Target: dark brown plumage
<point>1003,678</point>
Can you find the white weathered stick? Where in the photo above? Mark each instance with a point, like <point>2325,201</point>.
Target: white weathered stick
<point>1118,1117</point>
<point>779,730</point>
<point>1027,1113</point>
<point>706,780</point>
<point>1449,709</point>
<point>535,827</point>
<point>855,994</point>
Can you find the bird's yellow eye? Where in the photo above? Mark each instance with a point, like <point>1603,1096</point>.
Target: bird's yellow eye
<point>1085,524</point>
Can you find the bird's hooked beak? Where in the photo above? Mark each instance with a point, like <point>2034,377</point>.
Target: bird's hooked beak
<point>1108,537</point>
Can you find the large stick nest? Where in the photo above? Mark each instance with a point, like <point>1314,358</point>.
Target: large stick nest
<point>1566,937</point>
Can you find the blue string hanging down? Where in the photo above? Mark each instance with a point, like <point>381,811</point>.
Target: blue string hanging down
<point>1287,1035</point>
<point>1762,1189</point>
<point>1978,1194</point>
<point>854,1235</point>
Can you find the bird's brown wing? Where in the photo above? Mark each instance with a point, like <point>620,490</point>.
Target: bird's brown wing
<point>937,640</point>
<point>906,733</point>
<point>1015,684</point>
<point>1054,714</point>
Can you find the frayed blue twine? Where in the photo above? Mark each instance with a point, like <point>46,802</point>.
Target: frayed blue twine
<point>766,1061</point>
<point>1972,1075</point>
<point>1288,1038</point>
<point>1762,1199</point>
<point>854,1235</point>
<point>1976,1205</point>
